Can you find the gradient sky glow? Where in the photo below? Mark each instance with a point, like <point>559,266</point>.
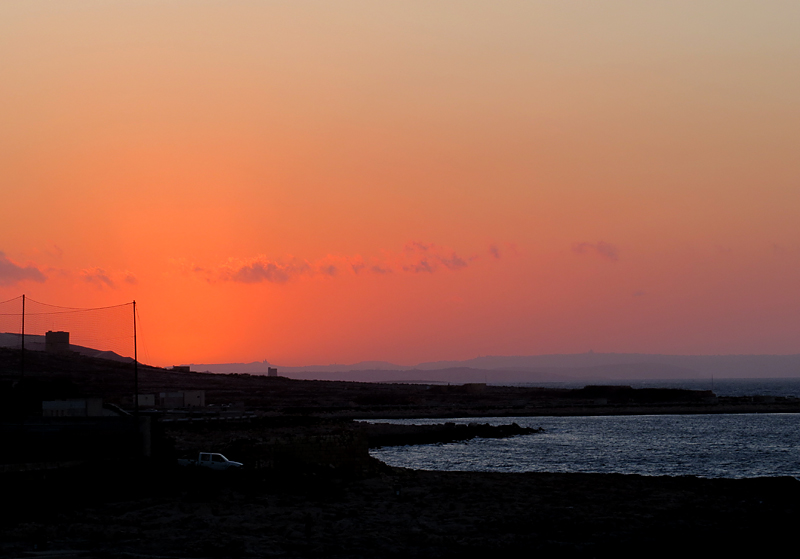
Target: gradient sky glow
<point>329,182</point>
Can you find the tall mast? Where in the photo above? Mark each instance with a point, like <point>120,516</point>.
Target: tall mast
<point>22,353</point>
<point>135,367</point>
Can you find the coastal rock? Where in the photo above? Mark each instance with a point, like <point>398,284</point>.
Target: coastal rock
<point>390,434</point>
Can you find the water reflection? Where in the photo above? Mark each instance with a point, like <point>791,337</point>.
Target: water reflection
<point>724,445</point>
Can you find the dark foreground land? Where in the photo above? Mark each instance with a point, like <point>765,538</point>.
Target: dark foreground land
<point>78,487</point>
<point>387,512</point>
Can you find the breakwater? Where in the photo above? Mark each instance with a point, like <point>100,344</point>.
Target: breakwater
<point>394,434</point>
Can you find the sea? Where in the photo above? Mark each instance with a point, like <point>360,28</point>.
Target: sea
<point>701,445</point>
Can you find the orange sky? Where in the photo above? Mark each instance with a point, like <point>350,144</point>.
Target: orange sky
<point>330,182</point>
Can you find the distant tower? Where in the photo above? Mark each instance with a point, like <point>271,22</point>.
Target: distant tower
<point>56,342</point>
<point>272,371</point>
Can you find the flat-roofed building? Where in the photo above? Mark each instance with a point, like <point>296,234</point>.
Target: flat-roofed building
<point>170,399</point>
<point>182,399</point>
<point>194,398</point>
<point>56,342</point>
<point>83,407</point>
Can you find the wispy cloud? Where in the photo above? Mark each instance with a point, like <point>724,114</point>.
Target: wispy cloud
<point>601,248</point>
<point>419,246</point>
<point>357,266</point>
<point>421,266</point>
<point>328,270</point>
<point>499,250</point>
<point>416,257</point>
<point>453,262</point>
<point>107,279</point>
<point>260,269</point>
<point>12,273</point>
<point>420,257</point>
<point>98,277</point>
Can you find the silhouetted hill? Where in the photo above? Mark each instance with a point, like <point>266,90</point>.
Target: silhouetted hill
<point>37,343</point>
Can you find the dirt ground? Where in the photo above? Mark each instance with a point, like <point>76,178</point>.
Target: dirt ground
<point>388,512</point>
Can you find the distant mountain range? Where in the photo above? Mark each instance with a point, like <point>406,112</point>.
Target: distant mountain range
<point>540,368</point>
<point>589,367</point>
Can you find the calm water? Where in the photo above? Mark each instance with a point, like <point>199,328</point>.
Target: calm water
<point>733,446</point>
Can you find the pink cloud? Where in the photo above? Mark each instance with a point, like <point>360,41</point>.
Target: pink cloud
<point>601,248</point>
<point>427,258</point>
<point>12,273</point>
<point>328,270</point>
<point>422,266</point>
<point>98,277</point>
<point>454,262</point>
<point>418,246</point>
<point>416,257</point>
<point>260,270</point>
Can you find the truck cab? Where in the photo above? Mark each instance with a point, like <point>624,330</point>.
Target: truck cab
<point>216,461</point>
<point>213,461</point>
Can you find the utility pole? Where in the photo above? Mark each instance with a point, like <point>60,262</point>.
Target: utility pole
<point>22,353</point>
<point>135,368</point>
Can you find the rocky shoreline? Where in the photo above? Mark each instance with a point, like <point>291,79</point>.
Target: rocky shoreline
<point>389,434</point>
<point>306,442</point>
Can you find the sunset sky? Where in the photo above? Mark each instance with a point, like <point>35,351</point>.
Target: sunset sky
<point>314,182</point>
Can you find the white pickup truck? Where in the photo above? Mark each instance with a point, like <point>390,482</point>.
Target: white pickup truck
<point>212,460</point>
